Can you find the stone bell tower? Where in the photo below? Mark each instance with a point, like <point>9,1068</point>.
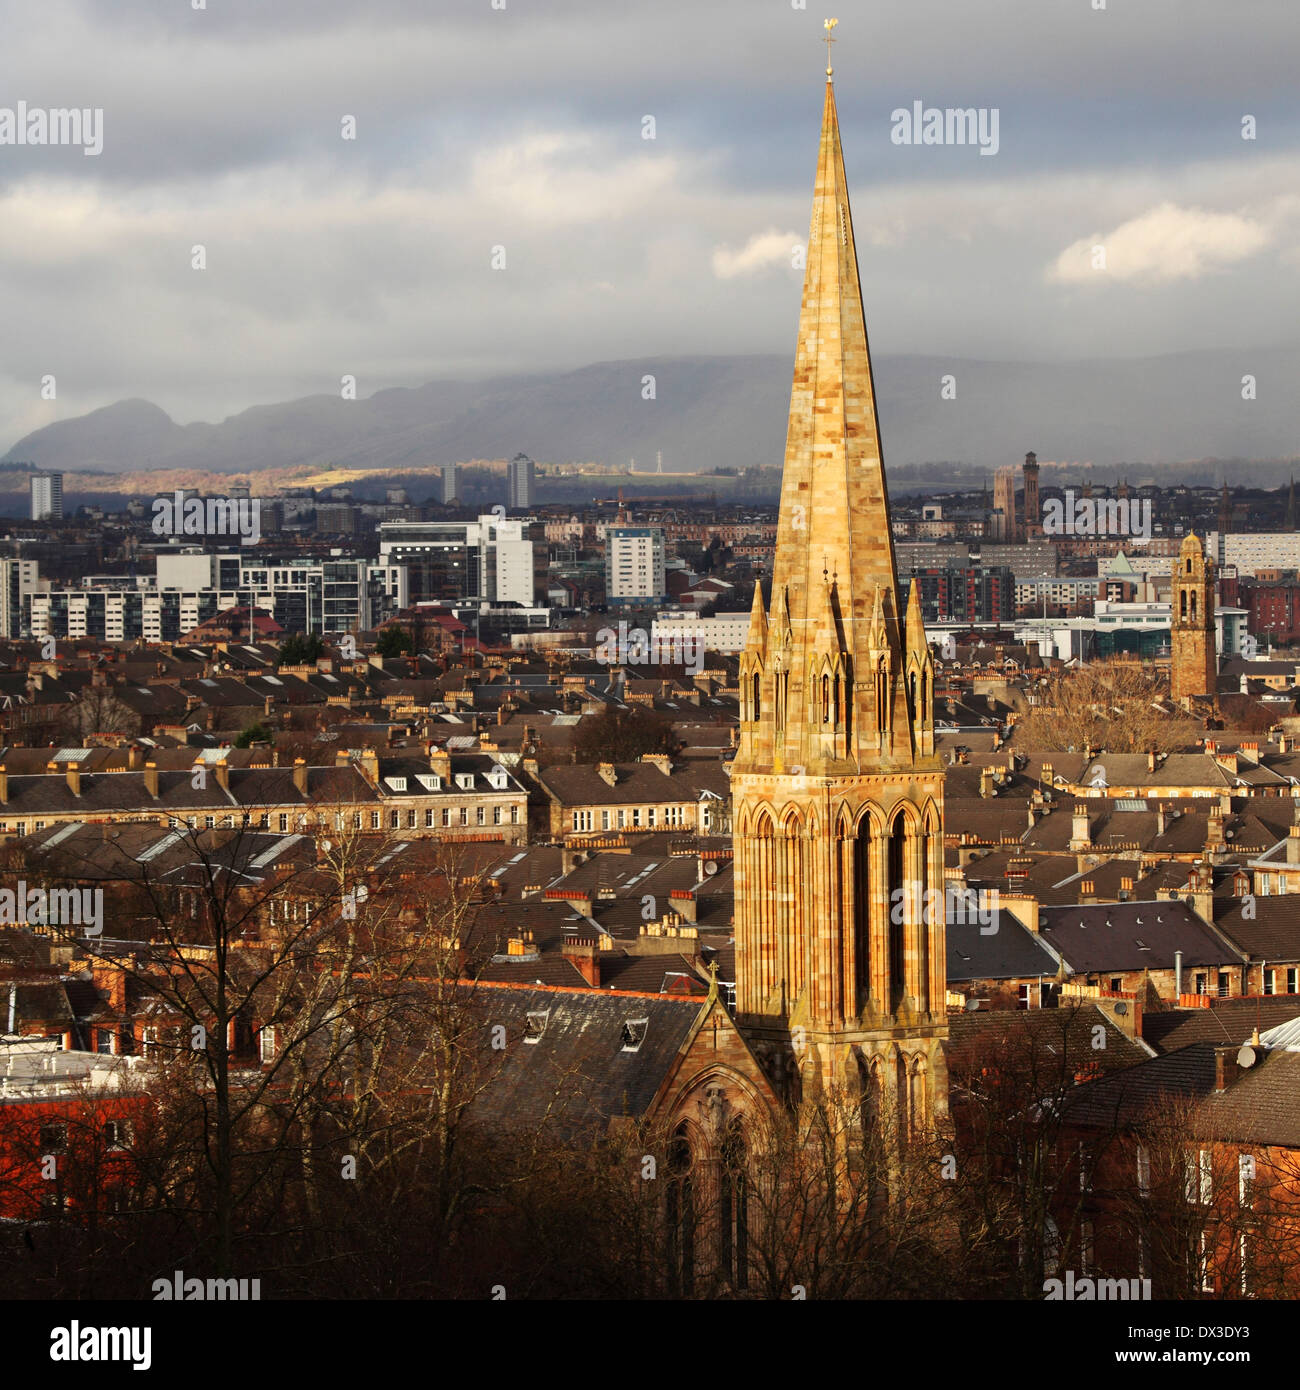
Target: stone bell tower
<point>836,788</point>
<point>1194,663</point>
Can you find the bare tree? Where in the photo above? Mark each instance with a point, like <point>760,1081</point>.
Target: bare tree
<point>1119,706</point>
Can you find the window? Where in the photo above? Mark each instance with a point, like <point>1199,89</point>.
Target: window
<point>650,816</point>
<point>284,821</point>
<point>1116,984</point>
<point>1269,978</point>
<point>514,815</point>
<point>1201,982</point>
<point>446,815</point>
<point>1292,980</point>
<point>103,1040</point>
<point>622,819</point>
<point>1223,984</point>
<point>356,820</point>
<point>410,820</point>
<point>428,817</point>
<point>480,815</point>
<point>376,820</point>
<point>1246,1179</point>
<point>1205,1276</point>
<point>54,1138</point>
<point>535,1025</point>
<point>209,822</point>
<point>496,815</point>
<point>604,820</point>
<point>634,1031</point>
<point>117,1134</point>
<point>464,815</point>
<point>149,1036</point>
<point>1199,1185</point>
<point>1143,1171</point>
<point>394,820</point>
<point>266,1044</point>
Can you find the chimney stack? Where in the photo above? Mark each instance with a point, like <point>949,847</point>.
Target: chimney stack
<point>4,785</point>
<point>300,775</point>
<point>1081,835</point>
<point>1292,845</point>
<point>986,782</point>
<point>73,773</point>
<point>151,779</point>
<point>584,956</point>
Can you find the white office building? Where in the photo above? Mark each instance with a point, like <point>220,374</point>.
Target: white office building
<point>484,563</point>
<point>723,632</point>
<point>634,564</point>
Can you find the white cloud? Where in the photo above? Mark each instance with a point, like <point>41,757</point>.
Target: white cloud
<point>762,251</point>
<point>1167,243</point>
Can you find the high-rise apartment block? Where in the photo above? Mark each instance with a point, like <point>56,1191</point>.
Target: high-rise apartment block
<point>634,564</point>
<point>519,482</point>
<point>47,496</point>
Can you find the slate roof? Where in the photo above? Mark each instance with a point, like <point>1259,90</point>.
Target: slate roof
<point>1011,952</point>
<point>578,1074</point>
<point>1225,1021</point>
<point>1132,936</point>
<point>1265,928</point>
<point>1258,1107</point>
<point>1066,1032</point>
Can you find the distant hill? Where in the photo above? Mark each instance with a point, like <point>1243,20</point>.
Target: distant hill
<point>725,411</point>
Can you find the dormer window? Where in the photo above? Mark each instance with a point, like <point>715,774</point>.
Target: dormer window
<point>634,1031</point>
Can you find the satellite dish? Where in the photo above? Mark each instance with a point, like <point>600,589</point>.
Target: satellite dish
<point>326,845</point>
<point>1121,1008</point>
<point>972,1006</point>
<point>1246,1057</point>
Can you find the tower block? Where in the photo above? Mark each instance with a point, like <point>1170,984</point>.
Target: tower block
<point>837,791</point>
<point>1194,665</point>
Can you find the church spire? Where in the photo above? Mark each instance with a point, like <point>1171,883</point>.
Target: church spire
<point>834,516</point>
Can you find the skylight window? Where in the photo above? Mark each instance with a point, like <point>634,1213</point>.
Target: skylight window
<point>536,1025</point>
<point>634,1031</point>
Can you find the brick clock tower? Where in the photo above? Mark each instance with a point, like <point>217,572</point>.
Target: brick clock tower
<point>836,788</point>
<point>1194,665</point>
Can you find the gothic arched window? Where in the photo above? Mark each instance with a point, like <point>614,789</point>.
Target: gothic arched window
<point>733,1214</point>
<point>897,907</point>
<point>756,706</point>
<point>680,1216</point>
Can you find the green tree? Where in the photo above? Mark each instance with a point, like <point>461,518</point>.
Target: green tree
<point>255,733</point>
<point>393,641</point>
<point>301,649</point>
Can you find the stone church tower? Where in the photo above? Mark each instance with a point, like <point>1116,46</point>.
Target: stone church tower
<point>836,788</point>
<point>1194,666</point>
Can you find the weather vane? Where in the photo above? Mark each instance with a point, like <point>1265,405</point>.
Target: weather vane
<point>829,26</point>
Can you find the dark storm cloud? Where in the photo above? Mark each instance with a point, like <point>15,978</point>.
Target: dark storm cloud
<point>522,127</point>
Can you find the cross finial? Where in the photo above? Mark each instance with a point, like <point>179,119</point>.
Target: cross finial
<point>829,26</point>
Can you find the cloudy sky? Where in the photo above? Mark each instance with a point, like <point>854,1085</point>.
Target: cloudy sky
<point>523,127</point>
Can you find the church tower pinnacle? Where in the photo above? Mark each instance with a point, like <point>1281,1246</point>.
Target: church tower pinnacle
<point>837,790</point>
